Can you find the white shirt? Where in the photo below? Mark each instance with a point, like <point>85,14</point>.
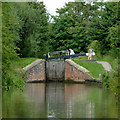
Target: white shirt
<point>72,52</point>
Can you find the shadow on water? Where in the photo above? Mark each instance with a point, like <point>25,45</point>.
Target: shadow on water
<point>59,100</point>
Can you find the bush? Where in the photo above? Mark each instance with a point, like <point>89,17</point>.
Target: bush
<point>105,79</point>
<point>13,76</point>
<point>110,80</point>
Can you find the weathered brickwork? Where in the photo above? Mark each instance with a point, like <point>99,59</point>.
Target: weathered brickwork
<point>74,72</point>
<point>68,71</point>
<point>35,71</point>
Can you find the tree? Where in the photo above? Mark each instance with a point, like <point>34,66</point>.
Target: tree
<point>25,34</point>
<point>32,29</point>
<point>104,18</point>
<point>8,47</point>
<point>70,27</point>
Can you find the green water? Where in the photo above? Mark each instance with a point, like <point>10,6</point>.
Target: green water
<point>59,100</point>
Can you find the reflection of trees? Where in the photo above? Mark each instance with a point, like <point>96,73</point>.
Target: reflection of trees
<point>19,107</point>
<point>0,102</point>
<point>6,104</point>
<point>59,100</point>
<point>27,104</point>
<point>13,104</point>
<point>119,103</point>
<point>85,101</point>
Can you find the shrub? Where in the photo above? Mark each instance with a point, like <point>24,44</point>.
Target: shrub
<point>110,80</point>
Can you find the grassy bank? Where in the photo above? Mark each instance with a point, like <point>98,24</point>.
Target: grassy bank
<point>111,60</point>
<point>22,62</point>
<point>94,68</point>
<point>109,79</point>
<point>14,75</point>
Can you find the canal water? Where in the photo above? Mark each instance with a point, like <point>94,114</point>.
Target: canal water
<point>59,100</point>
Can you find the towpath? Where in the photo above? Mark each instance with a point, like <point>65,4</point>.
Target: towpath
<point>106,65</point>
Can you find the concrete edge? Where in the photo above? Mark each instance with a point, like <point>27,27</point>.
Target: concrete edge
<point>35,81</point>
<point>33,64</point>
<point>77,66</point>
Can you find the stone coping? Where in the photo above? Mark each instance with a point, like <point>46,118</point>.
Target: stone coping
<point>77,66</point>
<point>33,64</point>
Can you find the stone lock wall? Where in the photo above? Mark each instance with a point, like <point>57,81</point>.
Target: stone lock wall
<point>35,71</point>
<point>56,71</point>
<point>75,72</point>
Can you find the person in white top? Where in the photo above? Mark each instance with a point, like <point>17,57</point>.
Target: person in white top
<point>90,53</point>
<point>71,52</point>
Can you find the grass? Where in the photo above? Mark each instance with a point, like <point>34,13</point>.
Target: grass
<point>112,61</point>
<point>81,57</point>
<point>94,68</point>
<point>22,62</point>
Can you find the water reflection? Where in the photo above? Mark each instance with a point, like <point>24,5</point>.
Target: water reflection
<point>0,103</point>
<point>59,100</point>
<point>55,100</point>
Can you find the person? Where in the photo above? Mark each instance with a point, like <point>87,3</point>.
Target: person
<point>71,52</point>
<point>90,52</point>
<point>48,54</point>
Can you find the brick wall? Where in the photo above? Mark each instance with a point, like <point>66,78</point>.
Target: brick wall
<point>75,72</point>
<point>35,71</point>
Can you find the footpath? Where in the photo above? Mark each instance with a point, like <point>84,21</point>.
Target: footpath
<point>106,65</point>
